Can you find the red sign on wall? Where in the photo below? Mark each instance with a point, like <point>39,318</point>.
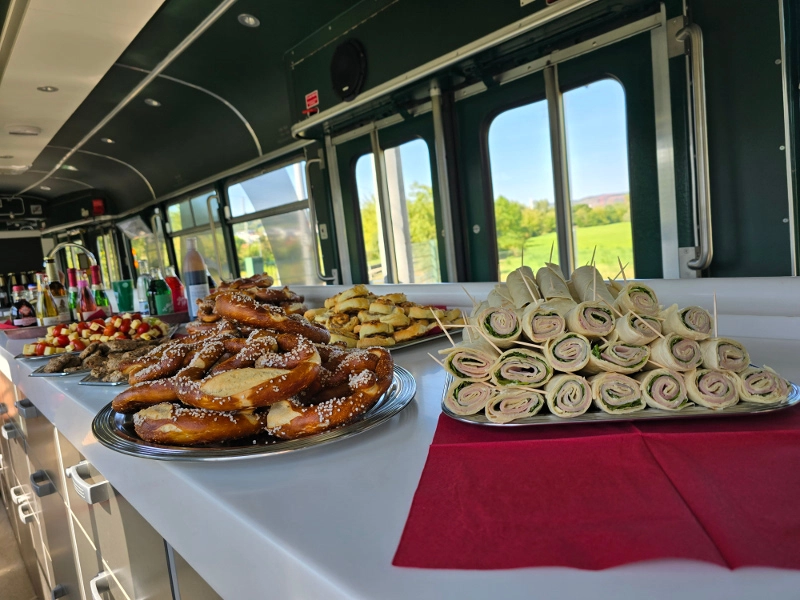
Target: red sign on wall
<point>312,99</point>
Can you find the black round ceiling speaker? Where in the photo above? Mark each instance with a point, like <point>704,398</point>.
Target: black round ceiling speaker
<point>348,69</point>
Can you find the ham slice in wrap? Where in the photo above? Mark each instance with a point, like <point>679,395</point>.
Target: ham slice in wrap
<point>634,329</point>
<point>521,367</point>
<point>616,394</point>
<point>663,389</point>
<point>468,397</point>
<point>522,287</point>
<point>763,386</point>
<point>540,323</point>
<point>470,360</point>
<point>725,354</point>
<point>591,319</point>
<point>675,352</point>
<point>511,404</point>
<point>692,322</point>
<point>568,352</point>
<point>638,298</point>
<point>587,285</point>
<point>501,325</point>
<point>568,395</point>
<point>617,357</point>
<point>713,389</point>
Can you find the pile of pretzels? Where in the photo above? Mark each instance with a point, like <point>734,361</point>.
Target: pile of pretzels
<point>252,370</point>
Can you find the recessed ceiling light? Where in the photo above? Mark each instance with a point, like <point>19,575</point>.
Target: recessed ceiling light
<point>69,168</point>
<point>151,102</point>
<point>24,130</point>
<point>44,188</point>
<point>107,141</point>
<point>248,20</point>
<point>47,88</point>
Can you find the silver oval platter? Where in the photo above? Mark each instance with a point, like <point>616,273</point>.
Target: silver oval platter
<point>593,415</point>
<point>115,431</point>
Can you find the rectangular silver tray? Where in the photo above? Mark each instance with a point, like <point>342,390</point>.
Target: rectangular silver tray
<point>34,357</point>
<point>92,380</point>
<point>428,338</point>
<point>40,373</point>
<point>595,415</point>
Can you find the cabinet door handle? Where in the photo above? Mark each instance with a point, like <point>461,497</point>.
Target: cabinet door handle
<point>19,494</point>
<point>41,484</point>
<point>98,585</point>
<point>25,512</point>
<point>10,432</point>
<point>92,493</point>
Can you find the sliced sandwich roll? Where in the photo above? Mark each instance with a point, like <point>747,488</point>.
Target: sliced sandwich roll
<point>568,352</point>
<point>539,323</point>
<point>501,325</point>
<point>617,357</point>
<point>638,298</point>
<point>763,386</point>
<point>568,396</point>
<point>675,352</point>
<point>616,394</point>
<point>471,360</point>
<point>522,287</point>
<point>468,397</point>
<point>551,282</point>
<point>521,367</point>
<point>713,389</point>
<point>511,404</point>
<point>663,389</point>
<point>692,322</point>
<point>587,285</point>
<point>635,329</point>
<point>591,319</point>
<point>725,354</point>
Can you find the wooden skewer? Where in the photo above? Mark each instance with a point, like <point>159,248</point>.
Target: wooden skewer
<point>612,307</point>
<point>474,302</point>
<point>716,329</point>
<point>591,262</point>
<point>614,278</point>
<point>537,346</point>
<point>530,291</point>
<point>552,247</point>
<point>534,390</point>
<point>443,328</point>
<point>441,364</point>
<point>653,329</point>
<point>659,365</point>
<point>487,338</point>
<point>622,270</point>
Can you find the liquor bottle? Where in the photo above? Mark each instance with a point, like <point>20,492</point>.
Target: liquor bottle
<point>159,296</point>
<point>22,313</point>
<point>4,302</point>
<point>46,311</point>
<point>178,291</point>
<point>23,280</point>
<point>12,281</point>
<point>195,276</point>
<point>87,306</point>
<point>100,296</point>
<point>33,294</point>
<point>74,297</point>
<point>142,285</point>
<point>58,291</point>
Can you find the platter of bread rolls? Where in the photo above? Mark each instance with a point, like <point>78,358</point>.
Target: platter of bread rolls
<point>359,319</point>
<point>543,349</point>
<point>252,376</point>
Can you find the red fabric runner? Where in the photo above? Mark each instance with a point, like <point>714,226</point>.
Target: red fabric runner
<point>594,496</point>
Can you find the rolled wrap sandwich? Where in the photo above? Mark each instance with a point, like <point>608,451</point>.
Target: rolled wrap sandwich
<point>591,319</point>
<point>638,298</point>
<point>521,367</point>
<point>500,325</point>
<point>713,389</point>
<point>725,354</point>
<point>763,386</point>
<point>568,396</point>
<point>663,389</point>
<point>522,287</point>
<point>635,329</point>
<point>470,360</point>
<point>587,285</point>
<point>468,397</point>
<point>511,404</point>
<point>692,322</point>
<point>616,394</point>
<point>568,352</point>
<point>676,353</point>
<point>540,323</point>
<point>500,296</point>
<point>617,357</point>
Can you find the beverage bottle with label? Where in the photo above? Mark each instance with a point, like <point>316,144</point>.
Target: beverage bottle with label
<point>22,313</point>
<point>195,276</point>
<point>12,281</point>
<point>4,301</point>
<point>33,294</point>
<point>100,296</point>
<point>159,296</point>
<point>74,297</point>
<point>87,306</point>
<point>58,291</point>
<point>142,285</point>
<point>46,311</point>
<point>178,291</point>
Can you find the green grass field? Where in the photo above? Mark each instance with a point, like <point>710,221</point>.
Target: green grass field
<point>611,240</point>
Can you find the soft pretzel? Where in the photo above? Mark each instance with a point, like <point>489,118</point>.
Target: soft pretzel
<point>244,309</point>
<point>262,280</point>
<point>276,295</point>
<point>289,420</point>
<point>173,424</point>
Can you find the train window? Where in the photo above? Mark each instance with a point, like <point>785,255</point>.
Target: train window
<point>190,218</point>
<point>413,223</point>
<point>145,248</point>
<point>193,212</point>
<point>522,186</point>
<point>597,158</point>
<point>107,258</point>
<point>272,227</point>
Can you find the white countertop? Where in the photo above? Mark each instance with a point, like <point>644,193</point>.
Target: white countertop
<point>325,522</point>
